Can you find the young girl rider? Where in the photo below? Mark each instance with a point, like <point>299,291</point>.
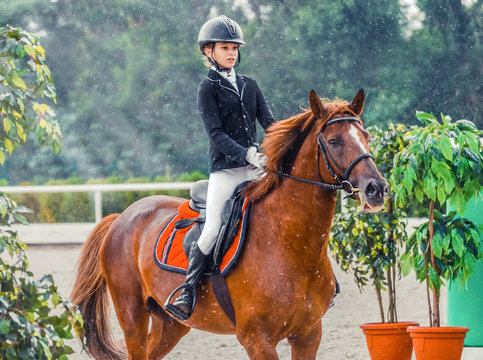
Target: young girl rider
<point>229,104</point>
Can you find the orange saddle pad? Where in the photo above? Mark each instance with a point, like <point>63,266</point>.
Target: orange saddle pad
<point>168,251</point>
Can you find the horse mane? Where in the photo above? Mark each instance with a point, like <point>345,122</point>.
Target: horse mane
<point>283,141</point>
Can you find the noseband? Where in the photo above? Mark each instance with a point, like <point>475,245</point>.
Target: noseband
<point>343,182</point>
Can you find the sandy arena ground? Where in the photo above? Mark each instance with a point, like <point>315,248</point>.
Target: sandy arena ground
<point>342,338</point>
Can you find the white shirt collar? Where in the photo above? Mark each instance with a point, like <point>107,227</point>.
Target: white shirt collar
<point>224,73</point>
<point>231,77</point>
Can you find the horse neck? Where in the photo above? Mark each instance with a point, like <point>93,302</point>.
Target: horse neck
<point>303,211</point>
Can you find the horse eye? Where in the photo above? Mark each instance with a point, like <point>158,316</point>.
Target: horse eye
<point>333,142</point>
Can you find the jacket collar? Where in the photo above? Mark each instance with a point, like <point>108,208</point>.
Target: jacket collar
<point>240,80</point>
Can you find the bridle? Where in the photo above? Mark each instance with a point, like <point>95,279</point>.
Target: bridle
<point>343,182</point>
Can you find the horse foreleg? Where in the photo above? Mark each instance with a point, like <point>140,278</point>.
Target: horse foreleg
<point>304,347</point>
<point>259,346</point>
<point>164,335</point>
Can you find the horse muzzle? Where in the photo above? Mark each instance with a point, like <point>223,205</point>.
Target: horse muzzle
<point>372,193</point>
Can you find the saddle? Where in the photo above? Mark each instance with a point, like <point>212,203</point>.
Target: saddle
<point>175,239</point>
<point>231,218</point>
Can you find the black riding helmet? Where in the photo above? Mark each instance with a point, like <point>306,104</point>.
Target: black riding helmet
<point>220,29</point>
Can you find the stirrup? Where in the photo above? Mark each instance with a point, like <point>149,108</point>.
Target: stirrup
<point>173,310</point>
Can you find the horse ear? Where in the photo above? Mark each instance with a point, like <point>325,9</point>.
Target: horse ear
<point>357,105</point>
<point>318,109</point>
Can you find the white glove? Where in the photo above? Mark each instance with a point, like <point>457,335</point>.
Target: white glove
<point>256,158</point>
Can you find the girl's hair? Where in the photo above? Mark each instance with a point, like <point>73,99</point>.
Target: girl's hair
<point>207,62</point>
<point>204,46</point>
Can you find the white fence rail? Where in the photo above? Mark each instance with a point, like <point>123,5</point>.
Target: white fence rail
<point>96,189</point>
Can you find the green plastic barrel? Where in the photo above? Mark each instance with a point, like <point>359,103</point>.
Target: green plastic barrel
<point>465,306</point>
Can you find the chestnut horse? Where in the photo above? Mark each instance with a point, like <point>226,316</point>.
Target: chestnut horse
<point>283,283</point>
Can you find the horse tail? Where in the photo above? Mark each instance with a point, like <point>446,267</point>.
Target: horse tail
<point>91,296</point>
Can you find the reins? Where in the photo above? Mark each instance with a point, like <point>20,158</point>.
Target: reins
<point>311,182</point>
<point>343,182</point>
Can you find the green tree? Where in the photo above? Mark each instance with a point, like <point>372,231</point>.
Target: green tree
<point>34,319</point>
<point>442,164</point>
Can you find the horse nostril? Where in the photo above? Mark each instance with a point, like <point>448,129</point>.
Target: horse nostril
<point>370,190</point>
<point>376,189</point>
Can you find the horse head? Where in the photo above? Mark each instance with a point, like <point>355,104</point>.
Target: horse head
<point>325,146</point>
<point>343,154</point>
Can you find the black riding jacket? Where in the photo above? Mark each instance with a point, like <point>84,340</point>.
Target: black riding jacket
<point>229,118</point>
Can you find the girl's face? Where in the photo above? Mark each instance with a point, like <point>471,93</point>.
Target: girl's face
<point>225,54</point>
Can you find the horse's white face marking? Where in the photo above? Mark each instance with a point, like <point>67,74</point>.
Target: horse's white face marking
<point>357,137</point>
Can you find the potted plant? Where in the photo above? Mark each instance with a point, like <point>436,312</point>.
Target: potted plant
<point>367,245</point>
<point>442,164</point>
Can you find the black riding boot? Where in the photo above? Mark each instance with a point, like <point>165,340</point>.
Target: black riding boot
<point>183,305</point>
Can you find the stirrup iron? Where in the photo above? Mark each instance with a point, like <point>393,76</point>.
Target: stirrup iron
<point>173,310</point>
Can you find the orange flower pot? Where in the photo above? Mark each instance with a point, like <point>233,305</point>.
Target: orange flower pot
<point>388,340</point>
<point>438,343</point>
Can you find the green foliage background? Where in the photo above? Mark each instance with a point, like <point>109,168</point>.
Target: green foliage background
<point>126,72</point>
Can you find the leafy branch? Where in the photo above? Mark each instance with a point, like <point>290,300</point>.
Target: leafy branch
<point>24,77</point>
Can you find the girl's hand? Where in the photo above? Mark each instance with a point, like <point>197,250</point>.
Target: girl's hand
<point>256,158</point>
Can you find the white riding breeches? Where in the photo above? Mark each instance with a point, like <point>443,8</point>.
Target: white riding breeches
<point>221,186</point>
